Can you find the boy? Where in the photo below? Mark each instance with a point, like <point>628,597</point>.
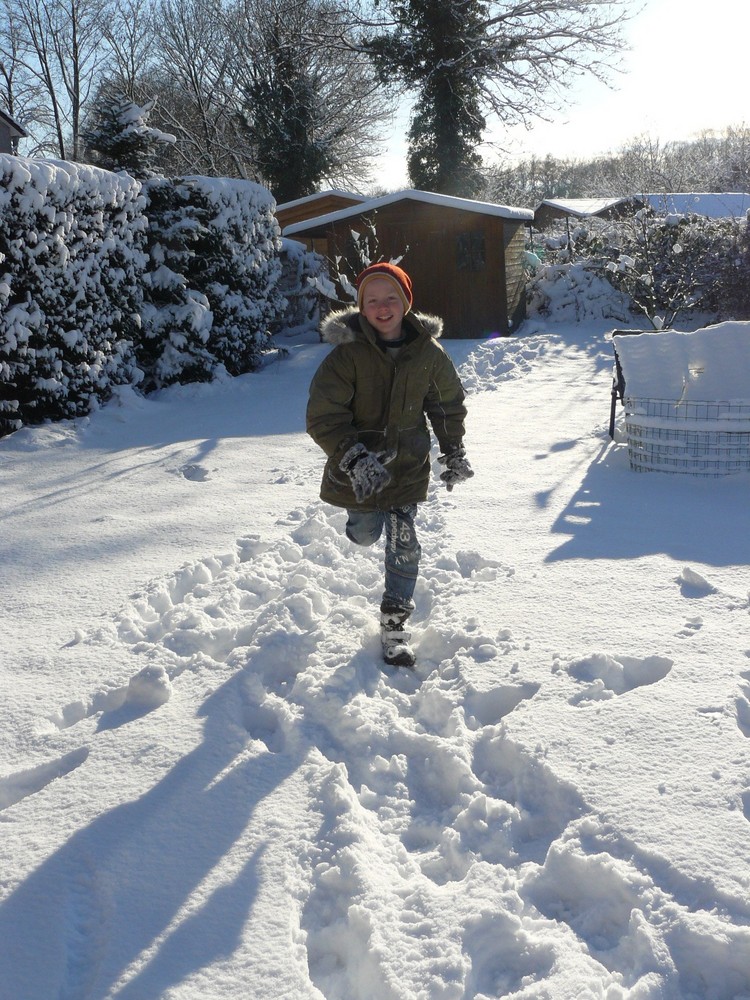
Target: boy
<point>367,408</point>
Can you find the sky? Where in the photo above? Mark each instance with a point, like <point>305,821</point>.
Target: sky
<point>685,72</point>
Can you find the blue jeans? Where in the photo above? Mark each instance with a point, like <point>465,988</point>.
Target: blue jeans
<point>402,550</point>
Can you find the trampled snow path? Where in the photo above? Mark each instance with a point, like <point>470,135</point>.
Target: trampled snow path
<point>436,830</point>
<point>393,833</point>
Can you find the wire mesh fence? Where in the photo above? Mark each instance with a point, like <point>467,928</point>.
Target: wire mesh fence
<point>697,437</point>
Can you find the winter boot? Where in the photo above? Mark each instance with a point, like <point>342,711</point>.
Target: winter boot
<point>395,639</point>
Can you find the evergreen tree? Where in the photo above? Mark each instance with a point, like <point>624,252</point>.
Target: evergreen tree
<point>177,319</point>
<point>211,288</point>
<point>283,122</point>
<point>434,52</point>
<point>121,139</point>
<point>467,60</point>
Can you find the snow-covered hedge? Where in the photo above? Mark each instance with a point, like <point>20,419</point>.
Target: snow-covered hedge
<point>107,281</point>
<point>212,291</point>
<point>71,258</point>
<point>667,266</point>
<point>300,271</point>
<point>574,292</point>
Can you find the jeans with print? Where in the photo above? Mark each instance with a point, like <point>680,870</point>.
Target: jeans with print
<point>402,550</point>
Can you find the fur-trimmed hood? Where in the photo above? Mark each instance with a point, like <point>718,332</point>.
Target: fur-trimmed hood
<point>343,326</point>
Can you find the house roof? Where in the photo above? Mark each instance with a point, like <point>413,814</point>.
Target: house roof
<point>444,200</point>
<point>15,128</point>
<point>714,205</point>
<point>582,207</point>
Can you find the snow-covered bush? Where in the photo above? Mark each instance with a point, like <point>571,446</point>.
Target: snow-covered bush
<point>668,266</point>
<point>121,138</point>
<point>673,265</point>
<point>212,290</point>
<point>300,271</point>
<point>574,292</point>
<point>71,241</point>
<point>107,281</point>
<point>238,251</point>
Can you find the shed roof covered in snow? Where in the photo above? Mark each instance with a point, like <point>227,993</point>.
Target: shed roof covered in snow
<point>313,205</point>
<point>411,195</point>
<point>713,205</point>
<point>583,207</point>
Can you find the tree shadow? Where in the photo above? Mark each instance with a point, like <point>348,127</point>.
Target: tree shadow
<point>617,513</point>
<point>108,894</point>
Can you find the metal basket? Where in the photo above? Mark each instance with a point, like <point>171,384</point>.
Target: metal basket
<point>699,437</point>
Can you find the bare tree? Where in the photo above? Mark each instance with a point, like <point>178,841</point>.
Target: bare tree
<point>21,91</point>
<point>193,48</point>
<point>206,62</point>
<point>244,83</point>
<point>61,47</point>
<point>129,33</point>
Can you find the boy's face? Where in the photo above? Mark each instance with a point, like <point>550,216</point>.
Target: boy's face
<point>383,307</point>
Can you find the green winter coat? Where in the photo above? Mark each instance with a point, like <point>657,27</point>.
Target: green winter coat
<point>360,394</point>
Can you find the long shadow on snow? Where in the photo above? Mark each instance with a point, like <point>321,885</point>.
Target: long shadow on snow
<point>105,897</point>
<point>617,513</point>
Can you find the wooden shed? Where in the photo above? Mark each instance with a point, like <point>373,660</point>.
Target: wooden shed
<point>321,203</point>
<point>465,257</point>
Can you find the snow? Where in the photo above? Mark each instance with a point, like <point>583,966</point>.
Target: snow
<point>210,787</point>
<point>714,205</point>
<point>583,207</point>
<point>427,197</point>
<point>707,364</point>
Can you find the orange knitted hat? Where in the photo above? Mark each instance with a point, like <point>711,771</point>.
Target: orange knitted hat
<point>397,275</point>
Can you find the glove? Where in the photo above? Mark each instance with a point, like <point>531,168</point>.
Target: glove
<point>457,468</point>
<point>367,473</point>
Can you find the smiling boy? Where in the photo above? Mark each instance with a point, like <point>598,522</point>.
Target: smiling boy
<point>369,404</point>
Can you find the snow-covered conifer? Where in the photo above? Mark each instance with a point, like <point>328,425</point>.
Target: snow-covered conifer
<point>176,317</point>
<point>121,138</point>
<point>212,289</point>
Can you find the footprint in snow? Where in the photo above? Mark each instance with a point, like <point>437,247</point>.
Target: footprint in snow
<point>16,787</point>
<point>195,473</point>
<point>742,706</point>
<point>608,676</point>
<point>487,708</point>
<point>691,626</point>
<point>692,584</point>
<point>145,691</point>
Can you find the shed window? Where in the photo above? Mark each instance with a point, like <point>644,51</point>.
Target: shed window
<point>470,251</point>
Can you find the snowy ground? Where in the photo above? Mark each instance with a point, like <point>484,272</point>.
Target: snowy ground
<point>209,787</point>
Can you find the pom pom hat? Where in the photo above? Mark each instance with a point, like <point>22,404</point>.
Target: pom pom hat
<point>396,275</point>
